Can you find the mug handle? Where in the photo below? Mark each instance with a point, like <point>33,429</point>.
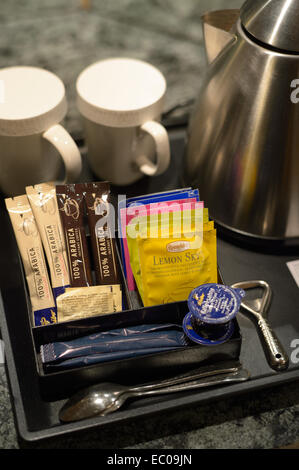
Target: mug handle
<point>68,150</point>
<point>161,139</point>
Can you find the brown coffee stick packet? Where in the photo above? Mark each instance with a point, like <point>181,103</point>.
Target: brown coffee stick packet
<point>99,212</point>
<point>71,209</point>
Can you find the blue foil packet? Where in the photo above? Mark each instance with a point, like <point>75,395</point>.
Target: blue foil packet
<point>99,358</point>
<point>114,344</point>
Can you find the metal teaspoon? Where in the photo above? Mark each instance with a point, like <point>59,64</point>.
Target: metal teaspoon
<point>105,398</point>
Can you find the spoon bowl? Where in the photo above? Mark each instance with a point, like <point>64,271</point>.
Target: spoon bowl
<point>91,401</point>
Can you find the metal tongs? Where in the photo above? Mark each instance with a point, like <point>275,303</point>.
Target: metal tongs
<point>257,310</point>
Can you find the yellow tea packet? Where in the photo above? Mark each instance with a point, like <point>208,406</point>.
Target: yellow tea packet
<point>171,267</point>
<point>171,253</point>
<point>156,225</point>
<point>161,230</point>
<point>200,268</point>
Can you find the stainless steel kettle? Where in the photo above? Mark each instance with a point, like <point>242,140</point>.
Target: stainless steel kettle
<point>242,149</point>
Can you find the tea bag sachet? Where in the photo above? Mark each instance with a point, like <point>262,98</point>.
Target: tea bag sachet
<point>159,225</point>
<point>31,250</point>
<point>129,208</point>
<point>168,265</point>
<point>171,268</point>
<point>151,225</point>
<point>43,202</point>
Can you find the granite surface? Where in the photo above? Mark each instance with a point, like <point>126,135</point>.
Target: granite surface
<point>64,38</point>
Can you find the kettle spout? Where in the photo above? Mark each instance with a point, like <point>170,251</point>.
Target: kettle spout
<point>218,30</point>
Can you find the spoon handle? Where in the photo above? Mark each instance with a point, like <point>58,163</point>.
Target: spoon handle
<point>206,371</point>
<point>239,376</point>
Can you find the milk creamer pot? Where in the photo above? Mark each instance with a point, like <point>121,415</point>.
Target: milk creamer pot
<point>242,149</point>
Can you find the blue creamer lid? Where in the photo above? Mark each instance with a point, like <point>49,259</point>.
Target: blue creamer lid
<point>214,303</point>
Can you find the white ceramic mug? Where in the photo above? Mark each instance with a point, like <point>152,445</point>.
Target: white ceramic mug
<point>32,142</point>
<point>121,101</point>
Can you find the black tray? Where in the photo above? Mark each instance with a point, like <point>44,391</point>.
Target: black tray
<point>37,417</point>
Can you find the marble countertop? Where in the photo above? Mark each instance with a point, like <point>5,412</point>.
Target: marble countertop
<point>64,38</point>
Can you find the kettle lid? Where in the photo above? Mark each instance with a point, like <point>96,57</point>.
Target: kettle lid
<point>273,22</point>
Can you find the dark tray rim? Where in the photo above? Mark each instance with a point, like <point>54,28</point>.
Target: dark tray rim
<point>174,402</point>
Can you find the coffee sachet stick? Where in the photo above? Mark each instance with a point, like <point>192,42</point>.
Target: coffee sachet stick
<point>42,198</point>
<point>31,251</point>
<point>71,210</point>
<point>97,198</point>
